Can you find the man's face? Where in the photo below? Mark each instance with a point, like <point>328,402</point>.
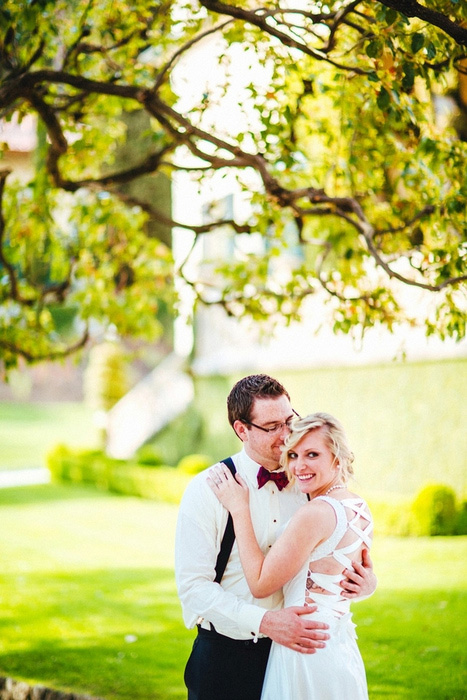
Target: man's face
<point>265,447</point>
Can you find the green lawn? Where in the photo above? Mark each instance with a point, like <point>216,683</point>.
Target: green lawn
<point>89,604</point>
<point>87,593</point>
<point>28,431</point>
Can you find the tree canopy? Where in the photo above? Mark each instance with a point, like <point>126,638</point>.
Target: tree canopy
<point>349,149</point>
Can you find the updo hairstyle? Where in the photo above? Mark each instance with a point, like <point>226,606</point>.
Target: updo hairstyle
<point>334,435</point>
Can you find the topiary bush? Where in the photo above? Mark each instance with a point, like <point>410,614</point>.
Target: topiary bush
<point>434,511</point>
<point>461,521</point>
<point>82,466</point>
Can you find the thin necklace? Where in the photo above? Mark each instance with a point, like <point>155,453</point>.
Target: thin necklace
<point>337,486</point>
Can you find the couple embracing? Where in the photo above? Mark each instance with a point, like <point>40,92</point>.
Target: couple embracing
<point>272,605</point>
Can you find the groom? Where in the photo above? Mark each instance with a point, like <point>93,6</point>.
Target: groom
<point>230,652</point>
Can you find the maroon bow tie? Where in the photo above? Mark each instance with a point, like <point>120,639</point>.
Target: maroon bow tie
<point>280,478</point>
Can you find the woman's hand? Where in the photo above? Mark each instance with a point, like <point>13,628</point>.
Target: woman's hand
<point>231,491</point>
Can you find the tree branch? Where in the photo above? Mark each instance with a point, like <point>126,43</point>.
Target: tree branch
<point>10,269</point>
<point>168,221</point>
<point>258,18</point>
<point>412,8</point>
<point>429,209</point>
<point>29,356</point>
<point>21,87</point>
<point>368,235</point>
<point>187,45</point>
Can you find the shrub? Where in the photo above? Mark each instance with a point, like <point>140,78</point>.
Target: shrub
<point>130,478</point>
<point>193,464</point>
<point>461,521</point>
<point>86,466</point>
<point>148,456</point>
<point>434,511</point>
<point>56,459</point>
<point>171,483</point>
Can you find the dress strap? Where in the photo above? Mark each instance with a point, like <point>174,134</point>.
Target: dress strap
<point>362,536</point>
<point>329,545</point>
<point>353,528</point>
<point>360,513</point>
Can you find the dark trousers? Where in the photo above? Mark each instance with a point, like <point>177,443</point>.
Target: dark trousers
<point>220,668</point>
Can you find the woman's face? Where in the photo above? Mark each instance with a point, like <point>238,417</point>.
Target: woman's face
<point>313,464</point>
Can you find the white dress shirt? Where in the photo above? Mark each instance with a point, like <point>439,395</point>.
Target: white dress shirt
<point>229,606</point>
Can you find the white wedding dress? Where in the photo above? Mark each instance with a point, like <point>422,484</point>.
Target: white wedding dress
<point>335,672</point>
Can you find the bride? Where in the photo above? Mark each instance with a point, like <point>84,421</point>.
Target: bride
<point>308,560</point>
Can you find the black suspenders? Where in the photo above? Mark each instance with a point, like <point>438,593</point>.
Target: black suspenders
<point>229,535</point>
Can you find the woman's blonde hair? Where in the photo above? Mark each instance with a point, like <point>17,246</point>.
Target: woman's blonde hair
<point>334,435</point>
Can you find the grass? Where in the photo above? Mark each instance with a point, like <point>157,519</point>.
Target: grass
<point>89,603</point>
<point>28,431</point>
<point>412,631</point>
<point>87,593</point>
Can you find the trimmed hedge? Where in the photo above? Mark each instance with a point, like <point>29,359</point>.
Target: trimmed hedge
<point>160,482</point>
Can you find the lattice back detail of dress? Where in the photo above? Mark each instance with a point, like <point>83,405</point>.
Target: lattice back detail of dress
<point>329,583</point>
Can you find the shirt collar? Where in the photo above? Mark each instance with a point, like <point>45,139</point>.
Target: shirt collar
<point>248,468</point>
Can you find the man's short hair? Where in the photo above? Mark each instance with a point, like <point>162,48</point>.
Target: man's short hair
<point>256,386</point>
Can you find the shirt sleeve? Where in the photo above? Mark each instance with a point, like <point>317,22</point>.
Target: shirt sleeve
<point>200,528</point>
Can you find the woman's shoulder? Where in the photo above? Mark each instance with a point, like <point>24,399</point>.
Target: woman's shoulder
<point>316,514</point>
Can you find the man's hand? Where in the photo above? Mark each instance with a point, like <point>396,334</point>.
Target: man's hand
<point>289,628</point>
<point>360,583</point>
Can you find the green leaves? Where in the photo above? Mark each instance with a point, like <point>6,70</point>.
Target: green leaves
<point>383,100</point>
<point>418,40</point>
<point>408,80</point>
<point>342,158</point>
<point>374,48</point>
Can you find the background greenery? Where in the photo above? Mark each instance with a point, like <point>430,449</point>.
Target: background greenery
<point>87,589</point>
<point>89,602</point>
<point>333,142</point>
<point>405,421</point>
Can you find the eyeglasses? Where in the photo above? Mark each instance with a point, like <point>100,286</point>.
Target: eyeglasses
<point>274,428</point>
